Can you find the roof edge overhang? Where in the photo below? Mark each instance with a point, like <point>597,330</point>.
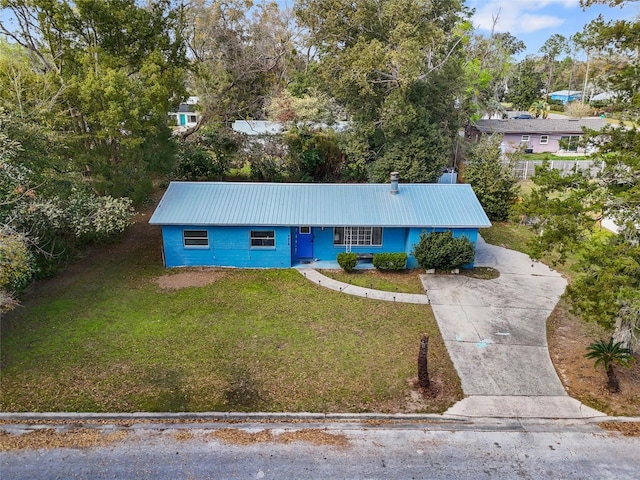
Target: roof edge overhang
<point>311,225</point>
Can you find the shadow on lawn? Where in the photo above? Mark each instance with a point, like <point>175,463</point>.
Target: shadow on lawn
<point>171,396</point>
<point>244,393</point>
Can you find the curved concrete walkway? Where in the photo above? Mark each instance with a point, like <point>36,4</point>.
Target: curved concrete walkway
<point>495,332</point>
<point>324,281</point>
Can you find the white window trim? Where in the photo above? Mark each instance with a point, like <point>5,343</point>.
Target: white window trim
<point>525,138</point>
<point>363,237</point>
<point>186,238</point>
<point>545,141</point>
<point>571,137</point>
<point>262,247</point>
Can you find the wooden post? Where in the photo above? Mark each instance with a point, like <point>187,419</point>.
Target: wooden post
<point>423,368</point>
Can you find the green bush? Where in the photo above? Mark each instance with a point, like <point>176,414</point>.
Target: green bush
<point>347,261</point>
<point>443,252</point>
<point>390,261</point>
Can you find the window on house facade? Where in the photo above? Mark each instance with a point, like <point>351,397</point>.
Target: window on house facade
<point>192,118</point>
<point>525,138</point>
<point>263,238</point>
<point>195,238</point>
<point>569,143</point>
<point>357,236</point>
<point>544,139</point>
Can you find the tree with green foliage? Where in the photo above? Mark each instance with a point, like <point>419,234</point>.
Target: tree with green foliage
<point>208,154</point>
<point>554,46</point>
<point>396,68</point>
<point>559,208</point>
<point>116,68</point>
<point>490,173</point>
<point>310,109</point>
<point>607,354</point>
<point>443,251</point>
<point>564,209</point>
<point>243,55</point>
<point>313,155</point>
<point>46,212</point>
<point>619,39</point>
<point>525,85</point>
<point>488,67</point>
<point>16,266</point>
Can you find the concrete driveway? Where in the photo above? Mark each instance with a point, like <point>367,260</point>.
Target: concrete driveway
<point>495,332</point>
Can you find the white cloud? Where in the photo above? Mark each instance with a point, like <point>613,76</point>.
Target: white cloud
<point>520,16</point>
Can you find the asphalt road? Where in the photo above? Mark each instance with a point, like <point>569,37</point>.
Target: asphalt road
<point>550,450</point>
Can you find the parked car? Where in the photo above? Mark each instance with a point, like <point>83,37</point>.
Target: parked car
<point>524,116</point>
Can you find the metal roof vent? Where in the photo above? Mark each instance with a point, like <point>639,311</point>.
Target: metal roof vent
<point>395,176</point>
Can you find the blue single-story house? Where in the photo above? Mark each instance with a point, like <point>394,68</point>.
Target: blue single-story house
<point>281,225</point>
<point>566,96</point>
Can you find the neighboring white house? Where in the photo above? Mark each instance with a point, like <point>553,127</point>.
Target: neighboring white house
<point>187,115</point>
<point>257,127</point>
<point>604,97</point>
<point>265,127</point>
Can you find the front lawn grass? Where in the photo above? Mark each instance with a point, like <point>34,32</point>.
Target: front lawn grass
<point>105,337</point>
<point>509,235</point>
<point>404,281</point>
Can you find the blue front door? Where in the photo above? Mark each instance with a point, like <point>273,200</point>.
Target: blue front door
<point>305,242</point>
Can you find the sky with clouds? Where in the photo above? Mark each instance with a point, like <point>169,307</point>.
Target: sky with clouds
<point>534,21</point>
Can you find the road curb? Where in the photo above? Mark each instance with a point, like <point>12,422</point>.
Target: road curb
<point>283,417</point>
<point>226,416</point>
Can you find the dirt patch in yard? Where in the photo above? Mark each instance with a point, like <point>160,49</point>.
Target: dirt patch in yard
<point>568,337</point>
<point>189,278</point>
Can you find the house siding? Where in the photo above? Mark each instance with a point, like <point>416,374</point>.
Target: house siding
<point>228,247</point>
<point>512,141</point>
<point>513,130</point>
<point>393,240</point>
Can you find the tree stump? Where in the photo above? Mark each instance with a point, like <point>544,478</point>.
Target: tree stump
<point>423,367</point>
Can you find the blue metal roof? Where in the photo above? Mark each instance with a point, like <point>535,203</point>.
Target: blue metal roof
<point>319,204</point>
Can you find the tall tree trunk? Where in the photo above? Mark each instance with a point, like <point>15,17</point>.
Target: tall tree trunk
<point>613,385</point>
<point>423,369</point>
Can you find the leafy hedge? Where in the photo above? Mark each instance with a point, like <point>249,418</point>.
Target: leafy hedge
<point>443,252</point>
<point>347,261</point>
<point>390,261</point>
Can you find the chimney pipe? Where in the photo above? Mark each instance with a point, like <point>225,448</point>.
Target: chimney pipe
<point>394,183</point>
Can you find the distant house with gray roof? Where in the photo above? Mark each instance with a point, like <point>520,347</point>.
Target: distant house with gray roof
<point>281,225</point>
<point>557,135</point>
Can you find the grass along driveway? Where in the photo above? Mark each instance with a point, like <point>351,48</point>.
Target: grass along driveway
<point>106,336</point>
<point>405,281</point>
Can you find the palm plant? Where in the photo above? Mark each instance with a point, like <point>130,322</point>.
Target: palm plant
<point>540,108</point>
<point>606,354</point>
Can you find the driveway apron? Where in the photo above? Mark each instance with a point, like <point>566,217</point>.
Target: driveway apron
<point>495,332</point>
